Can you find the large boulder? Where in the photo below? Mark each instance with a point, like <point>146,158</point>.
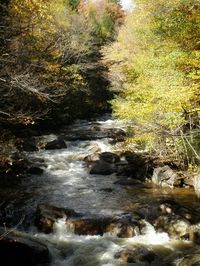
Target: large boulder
<point>123,225</point>
<point>17,248</point>
<point>175,226</point>
<point>165,177</point>
<point>101,225</point>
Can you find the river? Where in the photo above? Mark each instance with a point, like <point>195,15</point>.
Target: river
<point>66,182</point>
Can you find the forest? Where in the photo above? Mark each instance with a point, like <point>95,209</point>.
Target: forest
<point>154,69</point>
<point>100,132</point>
<point>70,59</point>
<point>51,69</point>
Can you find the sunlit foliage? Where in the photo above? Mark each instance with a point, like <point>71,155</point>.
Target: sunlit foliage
<point>105,16</point>
<point>155,67</point>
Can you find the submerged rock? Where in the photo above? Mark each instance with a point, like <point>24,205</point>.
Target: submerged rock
<point>136,254</point>
<point>17,248</point>
<point>128,182</point>
<point>192,258</point>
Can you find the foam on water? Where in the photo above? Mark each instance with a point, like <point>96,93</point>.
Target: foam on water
<point>74,250</point>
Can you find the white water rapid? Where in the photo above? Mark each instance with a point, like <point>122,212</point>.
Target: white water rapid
<point>66,183</point>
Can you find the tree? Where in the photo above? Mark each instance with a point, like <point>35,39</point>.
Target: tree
<point>154,67</point>
<point>104,16</point>
<point>44,50</point>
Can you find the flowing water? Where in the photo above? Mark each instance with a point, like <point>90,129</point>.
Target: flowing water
<point>66,182</point>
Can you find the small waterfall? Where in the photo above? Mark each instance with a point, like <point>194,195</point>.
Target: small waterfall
<point>78,250</point>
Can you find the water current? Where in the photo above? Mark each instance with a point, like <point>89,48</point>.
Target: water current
<point>66,182</point>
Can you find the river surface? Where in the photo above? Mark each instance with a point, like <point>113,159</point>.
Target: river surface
<point>66,182</point>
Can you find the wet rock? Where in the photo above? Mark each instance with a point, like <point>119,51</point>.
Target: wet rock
<point>122,230</point>
<point>58,143</point>
<point>116,134</point>
<point>134,158</point>
<point>136,254</point>
<point>17,248</point>
<point>101,158</point>
<point>87,226</point>
<point>101,167</point>
<point>190,259</point>
<point>100,225</point>
<point>166,177</point>
<point>171,207</point>
<point>94,148</point>
<point>47,215</point>
<point>187,182</point>
<point>34,170</point>
<point>132,165</point>
<point>175,226</point>
<point>122,225</point>
<point>109,157</point>
<point>91,158</point>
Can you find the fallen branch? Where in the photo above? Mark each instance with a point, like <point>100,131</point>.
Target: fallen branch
<point>12,229</point>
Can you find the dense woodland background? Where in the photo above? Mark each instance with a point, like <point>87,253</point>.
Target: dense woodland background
<point>67,59</point>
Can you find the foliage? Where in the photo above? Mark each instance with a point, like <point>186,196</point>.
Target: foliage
<point>154,68</point>
<point>50,66</point>
<point>104,16</point>
<point>48,55</point>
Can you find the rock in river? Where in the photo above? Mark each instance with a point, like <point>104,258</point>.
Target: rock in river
<point>17,248</point>
<point>123,225</point>
<point>165,176</point>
